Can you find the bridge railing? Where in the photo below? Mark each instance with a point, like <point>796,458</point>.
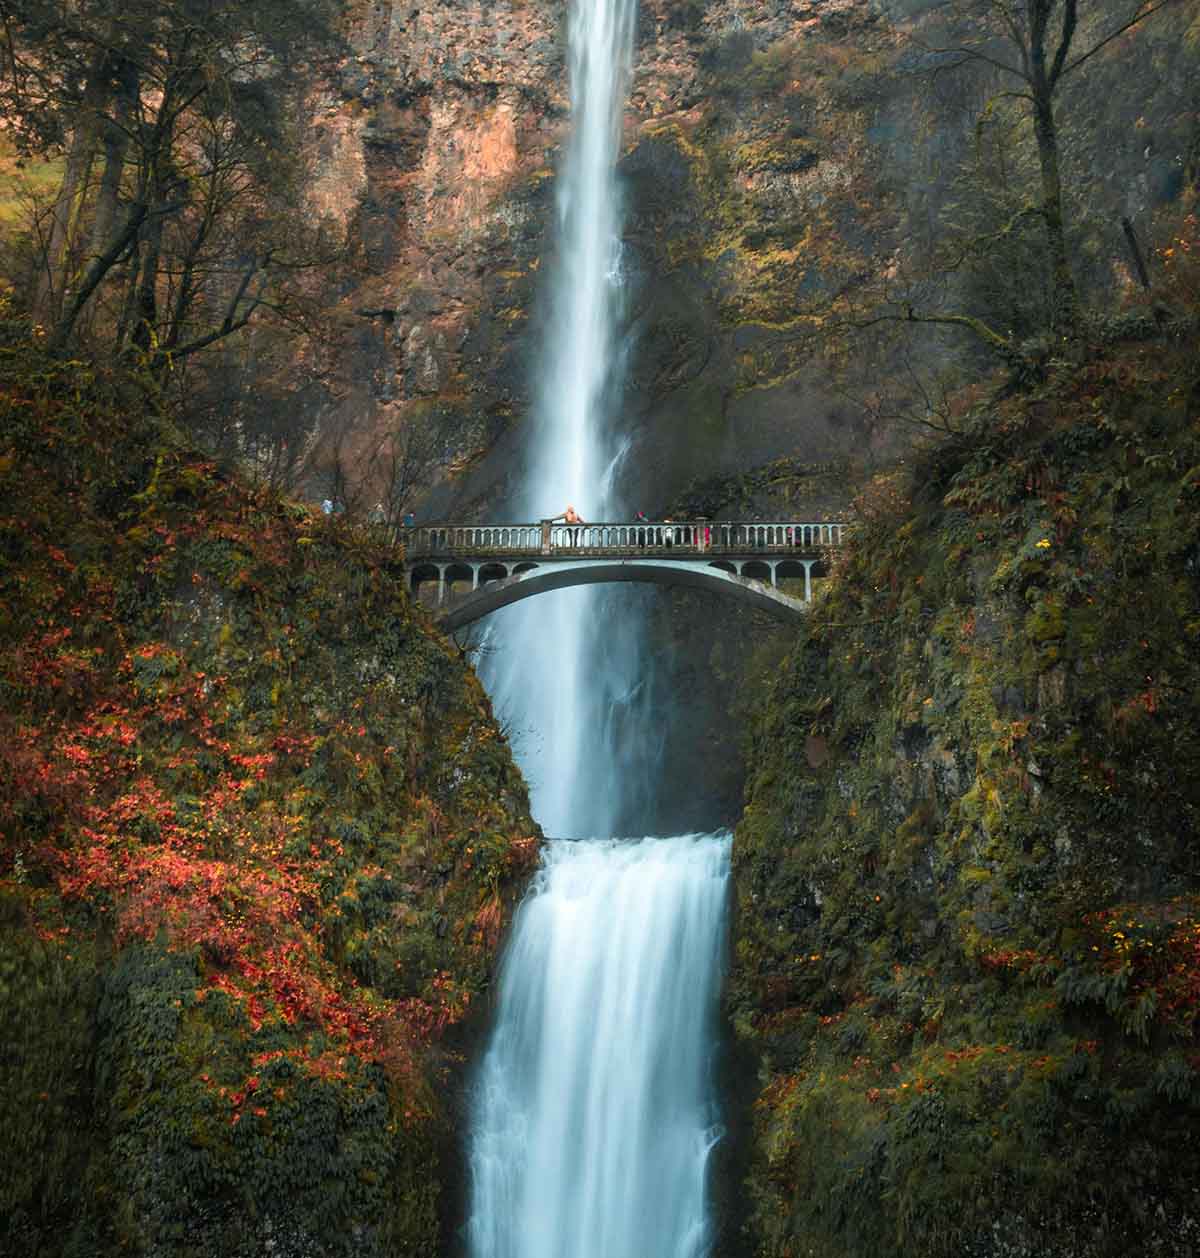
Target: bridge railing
<point>698,537</point>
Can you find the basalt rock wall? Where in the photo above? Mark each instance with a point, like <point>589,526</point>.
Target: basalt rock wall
<point>774,152</point>
<point>437,147</point>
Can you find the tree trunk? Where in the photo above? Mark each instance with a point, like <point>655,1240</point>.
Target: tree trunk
<point>115,140</point>
<point>1043,80</point>
<point>64,218</point>
<point>96,272</point>
<point>145,304</point>
<point>125,322</point>
<point>158,161</point>
<point>1066,303</point>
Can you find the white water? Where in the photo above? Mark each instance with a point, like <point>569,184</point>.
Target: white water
<point>557,665</point>
<point>594,1113</point>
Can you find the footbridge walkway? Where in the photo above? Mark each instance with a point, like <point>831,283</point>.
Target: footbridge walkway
<point>479,568</point>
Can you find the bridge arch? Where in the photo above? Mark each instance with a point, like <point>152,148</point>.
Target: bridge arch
<point>460,572</point>
<point>541,579</point>
<point>757,569</point>
<point>423,574</point>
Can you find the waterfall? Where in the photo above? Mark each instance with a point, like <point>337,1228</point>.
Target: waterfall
<point>593,1113</point>
<point>557,666</point>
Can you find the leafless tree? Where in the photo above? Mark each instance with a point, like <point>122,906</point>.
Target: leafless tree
<point>178,212</point>
<point>1034,46</point>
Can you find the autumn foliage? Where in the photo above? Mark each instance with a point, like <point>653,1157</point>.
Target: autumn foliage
<point>235,762</point>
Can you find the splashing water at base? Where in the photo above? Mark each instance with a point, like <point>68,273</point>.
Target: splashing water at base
<point>594,1115</point>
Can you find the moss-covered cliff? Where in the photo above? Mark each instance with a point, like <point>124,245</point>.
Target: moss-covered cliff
<point>968,897</point>
<point>259,835</point>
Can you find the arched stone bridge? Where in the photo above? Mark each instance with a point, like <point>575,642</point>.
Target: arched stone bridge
<point>480,568</point>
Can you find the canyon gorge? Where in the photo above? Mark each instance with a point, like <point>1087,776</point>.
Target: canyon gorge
<point>318,930</point>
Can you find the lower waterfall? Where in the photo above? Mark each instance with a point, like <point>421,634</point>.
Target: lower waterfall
<point>594,1108</point>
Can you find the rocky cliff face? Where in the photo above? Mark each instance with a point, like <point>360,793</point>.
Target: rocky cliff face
<point>438,145</point>
<point>774,152</point>
<point>434,150</point>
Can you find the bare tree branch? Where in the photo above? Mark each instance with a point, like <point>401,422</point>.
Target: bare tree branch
<point>1070,21</point>
<point>232,322</point>
<point>1139,16</point>
<point>96,273</point>
<point>977,327</point>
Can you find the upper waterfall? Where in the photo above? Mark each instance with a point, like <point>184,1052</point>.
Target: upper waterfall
<point>575,451</point>
<point>556,678</point>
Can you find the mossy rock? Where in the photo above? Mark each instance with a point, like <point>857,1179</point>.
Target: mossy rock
<point>261,837</point>
<point>967,930</point>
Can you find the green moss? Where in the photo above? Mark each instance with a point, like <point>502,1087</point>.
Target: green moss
<point>778,154</point>
<point>964,940</point>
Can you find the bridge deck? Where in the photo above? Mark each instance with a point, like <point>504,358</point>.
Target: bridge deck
<point>701,538</point>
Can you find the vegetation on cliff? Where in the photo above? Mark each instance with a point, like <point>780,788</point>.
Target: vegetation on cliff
<point>175,223</point>
<point>968,952</point>
<point>259,838</point>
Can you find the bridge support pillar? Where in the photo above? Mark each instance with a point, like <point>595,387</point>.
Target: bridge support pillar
<point>775,575</point>
<point>474,577</point>
<point>441,585</point>
<point>808,567</point>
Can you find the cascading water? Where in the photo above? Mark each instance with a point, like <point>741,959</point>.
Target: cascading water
<point>594,1113</point>
<point>554,669</point>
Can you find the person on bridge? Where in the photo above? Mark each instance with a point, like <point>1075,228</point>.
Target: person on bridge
<point>571,516</point>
